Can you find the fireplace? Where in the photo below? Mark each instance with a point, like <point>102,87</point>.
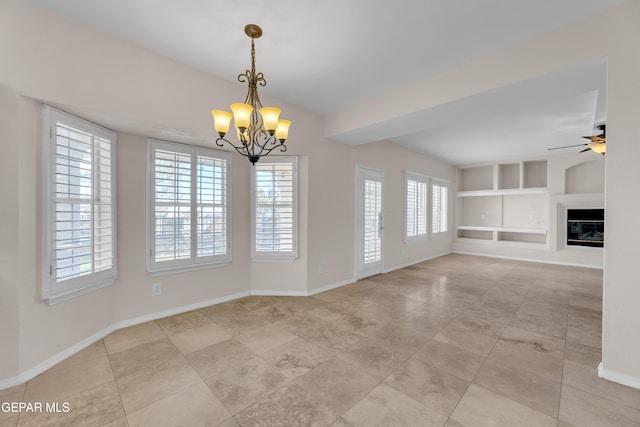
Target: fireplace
<point>585,227</point>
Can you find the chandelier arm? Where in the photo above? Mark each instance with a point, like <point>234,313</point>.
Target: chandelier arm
<point>240,149</point>
<point>282,147</point>
<point>263,146</point>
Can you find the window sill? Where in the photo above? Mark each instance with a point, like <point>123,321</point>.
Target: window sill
<point>57,299</point>
<point>186,268</point>
<point>416,239</point>
<point>437,236</point>
<point>291,258</point>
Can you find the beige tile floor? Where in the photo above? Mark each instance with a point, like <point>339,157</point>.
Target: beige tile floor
<point>456,341</point>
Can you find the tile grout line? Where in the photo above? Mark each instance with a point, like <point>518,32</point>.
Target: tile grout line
<point>124,411</point>
<point>471,381</point>
<point>564,352</point>
<point>487,358</point>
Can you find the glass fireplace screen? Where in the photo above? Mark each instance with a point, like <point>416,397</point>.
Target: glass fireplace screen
<point>585,227</point>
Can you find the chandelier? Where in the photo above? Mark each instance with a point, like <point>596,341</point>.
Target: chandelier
<point>258,134</point>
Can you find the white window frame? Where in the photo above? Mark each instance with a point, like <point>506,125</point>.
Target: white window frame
<point>440,233</point>
<point>194,262</point>
<point>282,256</point>
<point>54,291</point>
<point>419,179</point>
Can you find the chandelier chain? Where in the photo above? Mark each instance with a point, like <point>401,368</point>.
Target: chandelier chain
<point>255,132</point>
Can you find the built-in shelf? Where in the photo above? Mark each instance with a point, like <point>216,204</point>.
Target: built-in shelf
<point>534,174</point>
<point>476,178</point>
<point>525,230</point>
<point>475,235</point>
<point>503,192</point>
<point>508,176</point>
<point>490,197</point>
<point>503,176</point>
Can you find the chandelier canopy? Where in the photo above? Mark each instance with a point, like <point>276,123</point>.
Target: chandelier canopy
<point>258,134</point>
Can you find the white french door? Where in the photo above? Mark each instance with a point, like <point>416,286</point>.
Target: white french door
<point>369,222</point>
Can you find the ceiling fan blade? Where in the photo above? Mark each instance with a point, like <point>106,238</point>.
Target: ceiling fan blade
<point>586,149</point>
<point>566,146</point>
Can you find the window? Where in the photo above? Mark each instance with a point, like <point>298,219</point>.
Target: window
<point>188,205</point>
<point>274,216</point>
<point>415,207</point>
<point>79,221</point>
<point>439,190</point>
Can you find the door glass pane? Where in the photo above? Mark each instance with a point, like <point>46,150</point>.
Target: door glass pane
<point>372,211</point>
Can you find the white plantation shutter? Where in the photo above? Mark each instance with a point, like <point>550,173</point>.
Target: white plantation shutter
<point>274,217</point>
<point>211,206</point>
<point>372,209</point>
<point>104,214</point>
<point>439,212</point>
<point>172,205</point>
<point>79,220</point>
<point>416,206</point>
<point>188,205</point>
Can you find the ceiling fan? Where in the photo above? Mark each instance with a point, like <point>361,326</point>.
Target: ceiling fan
<point>597,144</point>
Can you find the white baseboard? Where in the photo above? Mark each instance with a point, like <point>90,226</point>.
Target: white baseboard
<point>52,361</point>
<point>178,310</point>
<point>541,261</point>
<point>280,293</point>
<point>304,293</point>
<point>409,264</point>
<point>330,287</point>
<point>617,377</point>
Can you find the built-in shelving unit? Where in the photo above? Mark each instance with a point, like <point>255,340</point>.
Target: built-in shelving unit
<point>527,230</point>
<point>504,202</point>
<point>514,192</point>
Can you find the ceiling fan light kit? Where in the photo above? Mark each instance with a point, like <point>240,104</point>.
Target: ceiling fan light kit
<point>599,148</point>
<point>258,134</point>
<point>598,143</point>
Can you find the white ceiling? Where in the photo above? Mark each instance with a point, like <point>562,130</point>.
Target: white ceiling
<point>331,54</point>
<point>522,120</point>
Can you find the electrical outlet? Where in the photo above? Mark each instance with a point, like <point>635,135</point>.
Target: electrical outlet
<point>321,269</point>
<point>156,289</point>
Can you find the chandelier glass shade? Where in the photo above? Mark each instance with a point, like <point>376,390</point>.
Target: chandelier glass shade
<point>259,129</point>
